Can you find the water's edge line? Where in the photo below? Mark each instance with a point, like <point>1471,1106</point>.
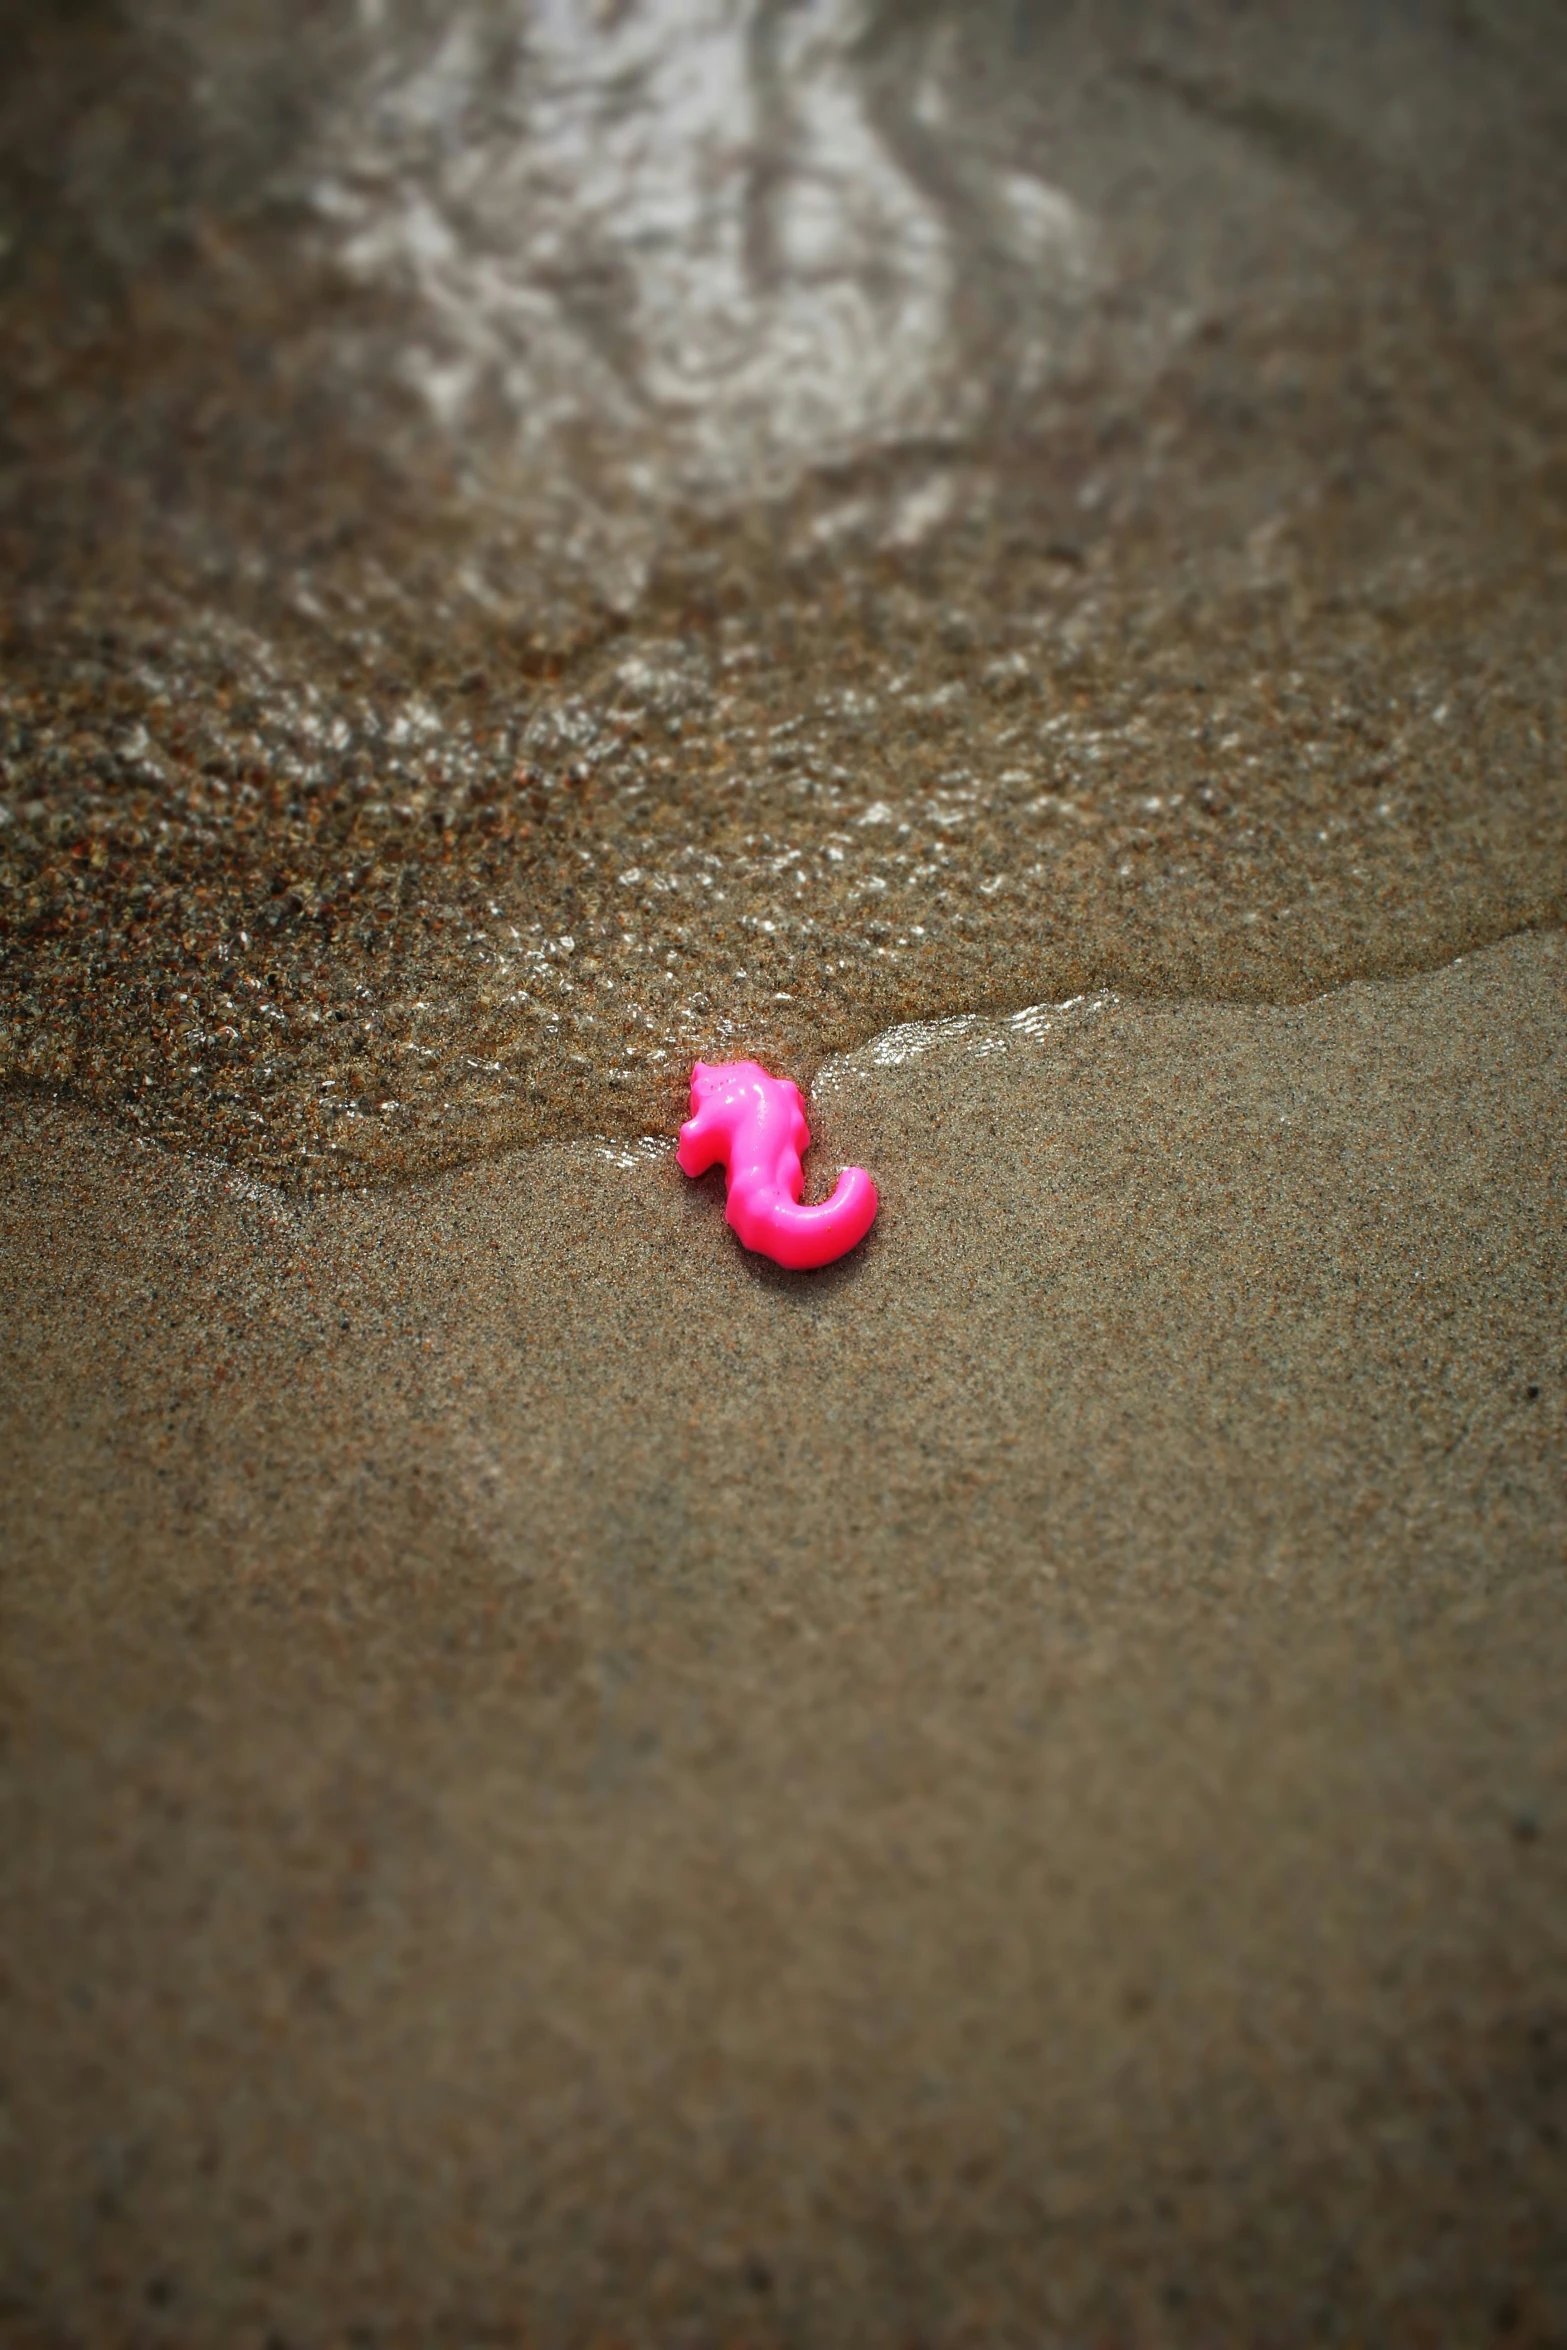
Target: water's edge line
<point>634,1148</point>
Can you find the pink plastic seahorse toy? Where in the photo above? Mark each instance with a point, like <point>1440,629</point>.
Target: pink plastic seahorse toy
<point>755,1124</point>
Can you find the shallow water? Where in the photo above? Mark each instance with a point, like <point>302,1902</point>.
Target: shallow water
<point>547,541</point>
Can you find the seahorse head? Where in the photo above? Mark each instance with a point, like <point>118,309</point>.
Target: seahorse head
<point>710,1079</point>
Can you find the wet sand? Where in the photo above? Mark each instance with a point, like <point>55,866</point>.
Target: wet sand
<point>548,543</point>
<point>563,1785</point>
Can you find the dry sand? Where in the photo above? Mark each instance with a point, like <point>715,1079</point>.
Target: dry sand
<point>563,1785</point>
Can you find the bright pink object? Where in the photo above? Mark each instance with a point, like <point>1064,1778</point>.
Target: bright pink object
<point>755,1125</point>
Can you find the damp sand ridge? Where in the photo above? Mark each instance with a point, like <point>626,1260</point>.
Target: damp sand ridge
<point>1009,1787</point>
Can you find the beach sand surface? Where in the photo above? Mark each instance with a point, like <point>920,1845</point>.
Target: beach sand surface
<point>560,1784</point>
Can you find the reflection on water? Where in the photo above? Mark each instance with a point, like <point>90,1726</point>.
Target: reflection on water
<point>678,227</point>
<point>549,539</point>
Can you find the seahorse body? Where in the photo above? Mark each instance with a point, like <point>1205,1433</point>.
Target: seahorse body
<point>755,1125</point>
